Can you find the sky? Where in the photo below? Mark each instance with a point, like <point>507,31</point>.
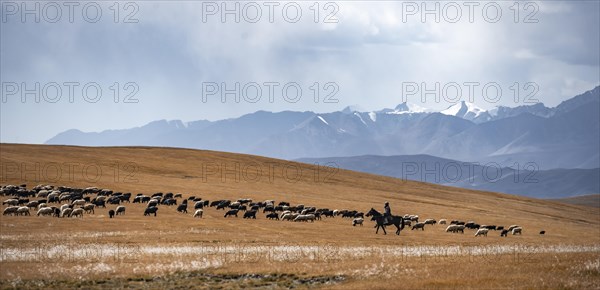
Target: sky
<point>95,66</point>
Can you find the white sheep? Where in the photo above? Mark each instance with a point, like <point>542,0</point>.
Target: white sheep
<point>120,210</point>
<point>77,212</point>
<point>452,228</point>
<point>41,205</point>
<point>66,212</point>
<point>11,201</point>
<point>63,207</point>
<point>512,227</point>
<point>305,218</point>
<point>53,195</point>
<point>517,230</point>
<point>429,222</point>
<point>443,221</point>
<point>45,211</point>
<point>481,232</point>
<point>89,208</point>
<point>284,213</point>
<point>23,210</point>
<point>358,221</point>
<point>42,193</point>
<point>289,217</point>
<point>78,202</point>
<point>198,213</point>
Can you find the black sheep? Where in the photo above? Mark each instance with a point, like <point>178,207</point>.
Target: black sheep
<point>182,208</point>
<point>250,215</point>
<point>111,213</point>
<point>273,216</point>
<point>232,212</point>
<point>150,210</point>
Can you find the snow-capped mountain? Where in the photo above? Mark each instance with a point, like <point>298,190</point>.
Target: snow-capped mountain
<point>467,111</point>
<point>567,136</point>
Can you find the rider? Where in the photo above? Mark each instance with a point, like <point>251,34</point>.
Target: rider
<point>387,212</point>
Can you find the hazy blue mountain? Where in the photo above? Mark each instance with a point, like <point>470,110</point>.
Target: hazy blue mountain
<point>567,136</point>
<point>525,180</point>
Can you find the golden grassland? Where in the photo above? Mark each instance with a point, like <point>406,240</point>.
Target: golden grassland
<point>177,250</point>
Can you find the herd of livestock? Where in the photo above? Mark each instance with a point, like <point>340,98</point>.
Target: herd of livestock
<point>63,202</point>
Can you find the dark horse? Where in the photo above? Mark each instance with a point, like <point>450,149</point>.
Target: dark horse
<point>379,219</point>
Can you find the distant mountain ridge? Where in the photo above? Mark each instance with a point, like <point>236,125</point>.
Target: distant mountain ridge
<point>566,136</point>
<point>526,180</point>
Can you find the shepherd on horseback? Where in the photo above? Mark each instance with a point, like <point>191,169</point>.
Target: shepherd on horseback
<point>387,213</point>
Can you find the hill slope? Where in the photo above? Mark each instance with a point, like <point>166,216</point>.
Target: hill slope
<point>200,173</point>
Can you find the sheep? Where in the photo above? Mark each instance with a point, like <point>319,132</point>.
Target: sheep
<point>177,195</point>
<point>89,208</point>
<point>452,228</point>
<point>66,212</point>
<point>64,206</point>
<point>542,232</point>
<point>499,228</point>
<point>250,214</point>
<point>111,213</point>
<point>77,212</point>
<point>120,210</point>
<point>443,221</point>
<point>230,212</point>
<point>407,223</point>
<point>284,213</point>
<point>198,213</point>
<point>10,210</point>
<point>512,227</point>
<point>430,222</point>
<point>517,230</point>
<point>150,210</point>
<point>305,218</point>
<point>481,232</point>
<point>45,211</point>
<point>78,202</point>
<point>33,204</point>
<point>11,201</point>
<point>41,205</point>
<point>358,221</point>
<point>199,204</point>
<point>273,216</point>
<point>182,208</point>
<point>418,226</point>
<point>23,210</point>
<point>290,216</point>
<point>504,233</point>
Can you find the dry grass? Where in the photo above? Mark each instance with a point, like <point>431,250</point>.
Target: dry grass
<point>137,246</point>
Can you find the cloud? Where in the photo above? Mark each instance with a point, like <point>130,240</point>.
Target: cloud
<point>371,49</point>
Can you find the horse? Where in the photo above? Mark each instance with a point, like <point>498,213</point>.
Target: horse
<point>380,221</point>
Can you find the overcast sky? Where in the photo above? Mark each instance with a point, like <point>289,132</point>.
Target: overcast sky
<point>368,53</point>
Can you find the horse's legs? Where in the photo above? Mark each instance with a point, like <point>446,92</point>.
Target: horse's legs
<point>384,232</point>
<point>377,231</point>
<point>397,230</point>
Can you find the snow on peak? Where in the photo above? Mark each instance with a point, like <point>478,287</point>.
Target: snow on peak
<point>321,118</point>
<point>405,108</point>
<point>463,109</point>
<point>352,109</point>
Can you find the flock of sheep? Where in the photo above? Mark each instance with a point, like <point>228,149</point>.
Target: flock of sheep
<point>74,202</point>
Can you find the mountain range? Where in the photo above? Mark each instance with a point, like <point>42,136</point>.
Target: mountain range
<point>565,136</point>
<point>525,180</point>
